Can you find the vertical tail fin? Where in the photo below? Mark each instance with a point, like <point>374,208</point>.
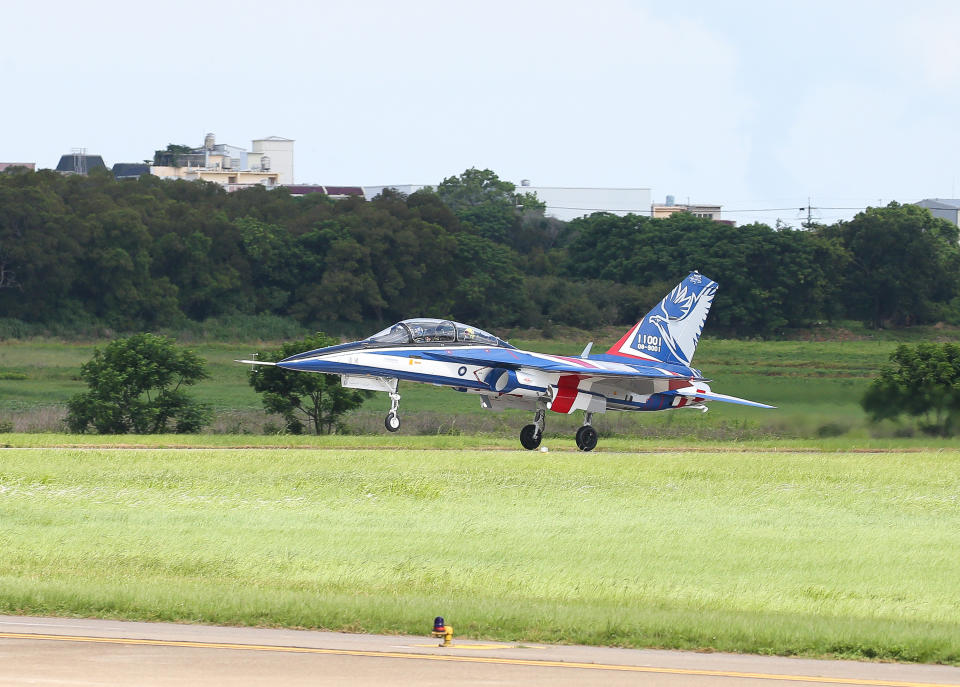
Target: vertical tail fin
<point>671,331</point>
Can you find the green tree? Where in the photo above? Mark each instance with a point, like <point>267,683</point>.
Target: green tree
<point>768,278</point>
<point>489,206</point>
<point>489,287</point>
<point>921,381</point>
<point>38,254</point>
<point>317,398</point>
<point>136,387</point>
<point>903,265</point>
<point>203,287</point>
<point>476,188</point>
<point>171,156</point>
<point>115,276</point>
<point>274,262</point>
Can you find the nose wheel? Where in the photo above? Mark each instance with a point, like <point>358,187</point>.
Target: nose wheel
<point>531,435</point>
<point>392,421</point>
<point>587,435</point>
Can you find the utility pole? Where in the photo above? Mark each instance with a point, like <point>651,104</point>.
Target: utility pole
<point>809,210</point>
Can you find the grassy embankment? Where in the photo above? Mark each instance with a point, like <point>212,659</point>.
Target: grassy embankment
<point>816,386</point>
<point>795,553</point>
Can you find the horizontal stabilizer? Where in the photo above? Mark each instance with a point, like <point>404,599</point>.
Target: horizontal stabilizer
<point>254,362</point>
<point>710,396</point>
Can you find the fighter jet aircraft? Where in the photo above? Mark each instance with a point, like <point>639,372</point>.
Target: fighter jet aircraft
<point>646,370</point>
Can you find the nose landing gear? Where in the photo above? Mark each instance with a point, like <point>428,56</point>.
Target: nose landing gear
<point>392,421</point>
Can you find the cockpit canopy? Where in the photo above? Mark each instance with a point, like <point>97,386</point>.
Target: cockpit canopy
<point>426,330</point>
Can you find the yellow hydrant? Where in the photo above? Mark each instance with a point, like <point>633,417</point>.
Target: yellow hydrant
<point>441,629</point>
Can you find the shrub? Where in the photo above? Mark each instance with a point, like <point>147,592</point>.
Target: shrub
<point>136,387</point>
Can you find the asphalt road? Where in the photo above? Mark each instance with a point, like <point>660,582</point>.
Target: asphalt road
<point>84,652</point>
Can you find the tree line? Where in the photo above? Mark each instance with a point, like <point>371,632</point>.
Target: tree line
<point>147,253</point>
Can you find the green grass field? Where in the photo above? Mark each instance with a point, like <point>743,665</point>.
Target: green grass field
<point>807,552</point>
<point>816,386</point>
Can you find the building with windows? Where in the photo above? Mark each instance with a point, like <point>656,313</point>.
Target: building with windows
<point>230,166</point>
<point>670,207</point>
<point>230,178</point>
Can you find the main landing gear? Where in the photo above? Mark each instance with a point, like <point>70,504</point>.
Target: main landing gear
<point>587,435</point>
<point>392,421</point>
<point>532,434</point>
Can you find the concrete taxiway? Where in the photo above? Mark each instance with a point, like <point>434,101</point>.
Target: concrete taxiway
<point>85,652</point>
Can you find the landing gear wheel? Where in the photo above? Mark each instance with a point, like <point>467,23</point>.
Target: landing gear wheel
<point>586,438</point>
<point>530,437</point>
<point>392,422</point>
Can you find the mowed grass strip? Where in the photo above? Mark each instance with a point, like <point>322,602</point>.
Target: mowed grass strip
<point>809,553</point>
<point>500,442</point>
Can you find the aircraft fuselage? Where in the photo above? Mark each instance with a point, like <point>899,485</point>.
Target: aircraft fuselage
<point>504,381</point>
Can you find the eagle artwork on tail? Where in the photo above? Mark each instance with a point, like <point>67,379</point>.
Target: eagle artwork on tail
<point>684,312</point>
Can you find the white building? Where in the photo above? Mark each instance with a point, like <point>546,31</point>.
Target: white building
<point>275,154</point>
<point>563,202</point>
<point>569,202</point>
<point>944,208</point>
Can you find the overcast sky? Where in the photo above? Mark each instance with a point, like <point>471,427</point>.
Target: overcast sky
<point>751,105</point>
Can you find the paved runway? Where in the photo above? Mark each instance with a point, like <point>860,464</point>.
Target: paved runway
<point>75,652</point>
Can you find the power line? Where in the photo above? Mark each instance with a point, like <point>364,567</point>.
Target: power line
<point>722,210</point>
